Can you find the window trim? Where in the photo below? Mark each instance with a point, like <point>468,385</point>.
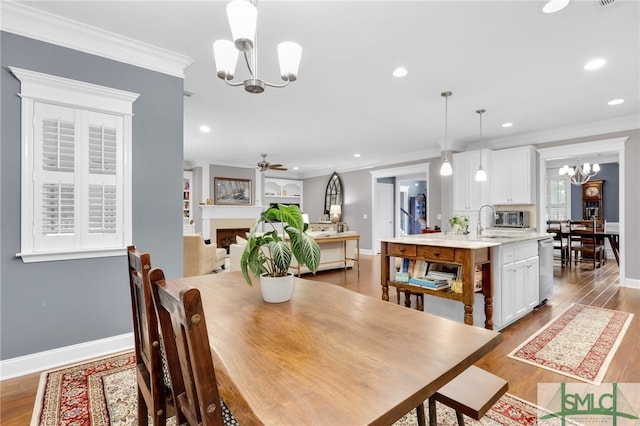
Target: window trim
<point>39,87</point>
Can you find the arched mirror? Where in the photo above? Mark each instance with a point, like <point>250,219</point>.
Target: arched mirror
<point>333,193</point>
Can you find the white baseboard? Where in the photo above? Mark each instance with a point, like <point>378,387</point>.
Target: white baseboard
<point>53,358</point>
<point>631,283</point>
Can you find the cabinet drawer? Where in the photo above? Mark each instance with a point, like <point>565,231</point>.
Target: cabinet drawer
<point>444,254</point>
<point>403,250</point>
<point>525,250</point>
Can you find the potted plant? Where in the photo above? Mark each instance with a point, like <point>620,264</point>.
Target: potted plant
<point>268,255</point>
<point>459,224</point>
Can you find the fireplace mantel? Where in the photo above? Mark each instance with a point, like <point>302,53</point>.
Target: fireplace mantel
<point>231,212</point>
<point>210,213</point>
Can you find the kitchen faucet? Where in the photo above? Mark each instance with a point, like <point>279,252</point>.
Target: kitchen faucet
<point>493,209</point>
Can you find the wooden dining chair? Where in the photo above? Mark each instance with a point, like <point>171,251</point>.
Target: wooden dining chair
<point>149,370</point>
<point>584,244</point>
<point>560,241</point>
<point>186,344</point>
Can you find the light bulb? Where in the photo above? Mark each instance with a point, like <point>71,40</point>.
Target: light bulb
<point>481,175</point>
<point>446,169</point>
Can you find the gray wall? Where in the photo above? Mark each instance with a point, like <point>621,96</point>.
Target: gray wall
<point>48,305</point>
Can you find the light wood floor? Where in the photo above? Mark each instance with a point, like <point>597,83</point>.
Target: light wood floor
<point>579,284</point>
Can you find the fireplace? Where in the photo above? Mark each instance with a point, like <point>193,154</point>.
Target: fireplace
<point>227,236</point>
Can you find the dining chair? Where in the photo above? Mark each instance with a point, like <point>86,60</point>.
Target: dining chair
<point>585,244</point>
<point>149,371</point>
<point>560,241</point>
<point>186,344</point>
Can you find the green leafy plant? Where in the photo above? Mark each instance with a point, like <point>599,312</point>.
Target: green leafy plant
<point>463,221</point>
<point>270,253</point>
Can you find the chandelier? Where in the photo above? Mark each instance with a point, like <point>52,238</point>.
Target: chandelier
<point>580,175</point>
<point>243,16</point>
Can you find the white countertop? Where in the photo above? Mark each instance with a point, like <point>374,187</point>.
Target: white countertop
<point>470,241</point>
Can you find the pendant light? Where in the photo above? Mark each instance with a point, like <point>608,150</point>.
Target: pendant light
<point>446,169</point>
<point>481,175</point>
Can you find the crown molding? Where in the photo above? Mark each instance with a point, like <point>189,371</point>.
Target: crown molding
<point>620,124</point>
<point>29,22</point>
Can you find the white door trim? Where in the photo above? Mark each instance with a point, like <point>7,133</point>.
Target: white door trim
<point>613,145</point>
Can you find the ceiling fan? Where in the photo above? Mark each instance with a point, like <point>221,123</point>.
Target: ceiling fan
<point>264,165</point>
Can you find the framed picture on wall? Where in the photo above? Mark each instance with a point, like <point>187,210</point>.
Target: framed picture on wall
<point>228,191</point>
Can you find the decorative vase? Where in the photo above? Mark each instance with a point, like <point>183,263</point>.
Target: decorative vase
<point>276,289</point>
<point>457,229</point>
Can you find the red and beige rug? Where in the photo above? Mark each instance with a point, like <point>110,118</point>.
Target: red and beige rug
<point>580,343</point>
<point>103,393</point>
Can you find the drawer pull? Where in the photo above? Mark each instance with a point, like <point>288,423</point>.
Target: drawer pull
<point>436,254</point>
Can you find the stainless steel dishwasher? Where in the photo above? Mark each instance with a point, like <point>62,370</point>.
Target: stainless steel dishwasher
<point>545,260</point>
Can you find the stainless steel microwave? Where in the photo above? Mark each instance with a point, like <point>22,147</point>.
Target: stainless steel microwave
<point>512,219</point>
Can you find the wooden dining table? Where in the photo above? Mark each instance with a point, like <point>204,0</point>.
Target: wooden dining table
<point>612,236</point>
<point>329,356</point>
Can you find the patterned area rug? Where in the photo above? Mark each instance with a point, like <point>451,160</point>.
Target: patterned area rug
<point>103,393</point>
<point>580,343</point>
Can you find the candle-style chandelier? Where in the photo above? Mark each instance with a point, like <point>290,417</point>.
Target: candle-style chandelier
<point>580,175</point>
<point>243,16</point>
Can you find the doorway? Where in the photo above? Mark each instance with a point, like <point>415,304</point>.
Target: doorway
<point>392,176</point>
<point>613,146</point>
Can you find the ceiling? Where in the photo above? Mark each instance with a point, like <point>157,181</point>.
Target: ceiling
<point>521,65</point>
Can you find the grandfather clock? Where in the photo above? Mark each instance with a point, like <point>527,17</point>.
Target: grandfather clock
<point>592,200</point>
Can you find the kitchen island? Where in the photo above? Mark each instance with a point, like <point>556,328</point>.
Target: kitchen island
<point>507,263</point>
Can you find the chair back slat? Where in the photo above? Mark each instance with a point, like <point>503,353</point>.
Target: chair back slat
<point>186,343</point>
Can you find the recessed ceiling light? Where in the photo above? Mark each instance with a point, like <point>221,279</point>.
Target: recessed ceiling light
<point>205,129</point>
<point>400,72</point>
<point>615,101</point>
<point>356,155</point>
<point>296,168</point>
<point>507,124</point>
<point>554,6</point>
<point>594,64</point>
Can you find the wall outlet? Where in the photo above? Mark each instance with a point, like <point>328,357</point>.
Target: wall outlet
<point>439,216</point>
<point>364,216</point>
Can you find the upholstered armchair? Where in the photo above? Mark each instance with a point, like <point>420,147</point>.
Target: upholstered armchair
<point>200,258</point>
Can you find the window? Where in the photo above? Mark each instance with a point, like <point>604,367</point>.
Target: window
<point>558,196</point>
<point>76,177</point>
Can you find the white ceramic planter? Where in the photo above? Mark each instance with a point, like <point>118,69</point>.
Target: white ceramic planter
<point>276,289</point>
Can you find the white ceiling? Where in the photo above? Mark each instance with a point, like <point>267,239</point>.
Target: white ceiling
<point>521,65</point>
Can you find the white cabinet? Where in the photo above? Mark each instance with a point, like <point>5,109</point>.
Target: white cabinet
<point>187,203</point>
<point>519,280</point>
<point>468,194</point>
<point>514,176</point>
<point>283,191</point>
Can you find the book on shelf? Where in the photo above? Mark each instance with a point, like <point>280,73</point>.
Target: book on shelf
<point>429,282</point>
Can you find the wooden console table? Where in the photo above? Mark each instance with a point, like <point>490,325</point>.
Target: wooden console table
<point>466,254</point>
<point>343,238</point>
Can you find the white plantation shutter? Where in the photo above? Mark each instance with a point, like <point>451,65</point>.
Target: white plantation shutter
<point>58,145</point>
<point>558,196</point>
<point>56,149</point>
<point>79,158</point>
<point>103,200</point>
<point>102,149</point>
<point>58,215</point>
<point>76,168</point>
<point>102,209</point>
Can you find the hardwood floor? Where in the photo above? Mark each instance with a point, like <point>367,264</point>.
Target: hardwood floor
<point>579,284</point>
